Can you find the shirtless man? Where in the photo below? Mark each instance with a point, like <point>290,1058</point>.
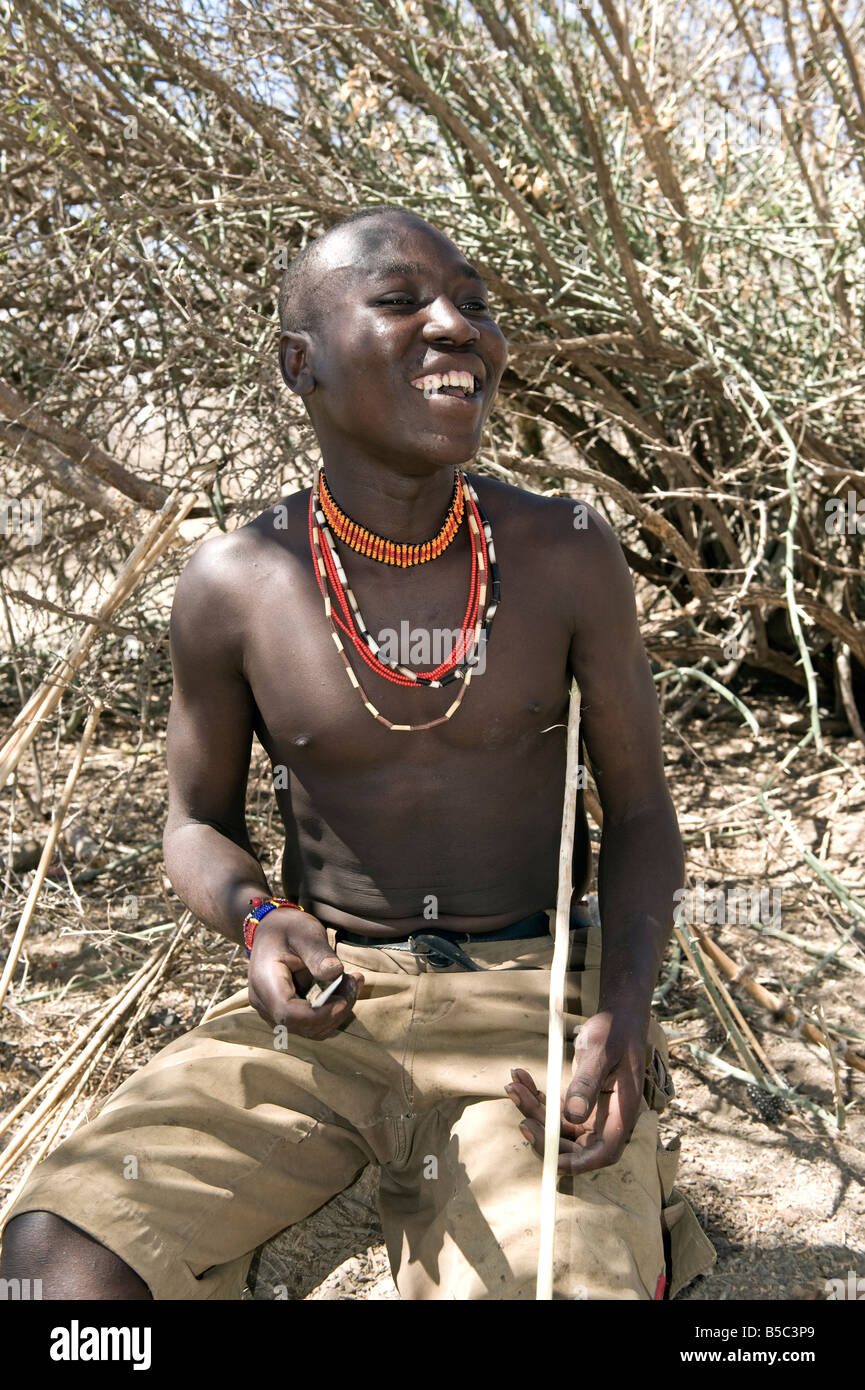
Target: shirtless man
<point>382,823</point>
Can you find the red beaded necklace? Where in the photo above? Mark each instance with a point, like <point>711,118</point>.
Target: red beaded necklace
<point>476,625</point>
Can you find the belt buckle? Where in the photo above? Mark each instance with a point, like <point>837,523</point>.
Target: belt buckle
<point>424,946</point>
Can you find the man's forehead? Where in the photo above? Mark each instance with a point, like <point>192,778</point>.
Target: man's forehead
<point>366,252</point>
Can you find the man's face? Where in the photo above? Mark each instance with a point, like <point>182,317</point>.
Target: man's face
<point>396,303</point>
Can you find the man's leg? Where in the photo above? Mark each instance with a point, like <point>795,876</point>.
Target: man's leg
<point>69,1264</point>
<point>460,1206</point>
<point>463,1223</point>
<point>230,1134</point>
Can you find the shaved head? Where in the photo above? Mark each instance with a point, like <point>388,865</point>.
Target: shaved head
<point>299,305</point>
<point>365,310</point>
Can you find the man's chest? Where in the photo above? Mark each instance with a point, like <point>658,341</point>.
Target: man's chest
<point>311,710</point>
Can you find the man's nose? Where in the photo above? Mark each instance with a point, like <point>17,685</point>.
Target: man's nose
<point>444,320</point>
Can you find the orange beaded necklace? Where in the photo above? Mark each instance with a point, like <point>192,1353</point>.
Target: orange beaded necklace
<point>378,547</point>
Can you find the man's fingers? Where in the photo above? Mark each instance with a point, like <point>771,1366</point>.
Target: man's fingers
<point>596,1152</point>
<point>601,1147</point>
<point>581,1097</point>
<point>321,1022</point>
<point>299,1018</point>
<point>343,999</point>
<point>299,938</point>
<point>272,991</point>
<point>532,1103</point>
<point>526,1096</point>
<point>533,1131</point>
<point>317,954</point>
<point>275,996</point>
<point>525,1079</point>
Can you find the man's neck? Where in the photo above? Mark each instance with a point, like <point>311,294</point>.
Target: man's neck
<point>404,508</point>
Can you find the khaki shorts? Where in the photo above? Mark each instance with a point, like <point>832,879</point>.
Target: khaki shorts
<point>236,1131</point>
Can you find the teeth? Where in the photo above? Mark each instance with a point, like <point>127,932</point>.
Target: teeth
<point>464,380</point>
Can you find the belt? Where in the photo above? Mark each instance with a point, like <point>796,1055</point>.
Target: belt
<point>440,949</point>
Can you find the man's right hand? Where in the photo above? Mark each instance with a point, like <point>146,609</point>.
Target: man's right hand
<point>289,951</point>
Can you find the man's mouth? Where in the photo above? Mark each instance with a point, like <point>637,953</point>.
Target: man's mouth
<point>459,385</point>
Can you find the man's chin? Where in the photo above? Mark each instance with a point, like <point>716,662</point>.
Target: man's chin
<point>414,455</point>
<point>456,451</point>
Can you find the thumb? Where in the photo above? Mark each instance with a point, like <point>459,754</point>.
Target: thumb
<point>316,952</point>
<point>581,1097</point>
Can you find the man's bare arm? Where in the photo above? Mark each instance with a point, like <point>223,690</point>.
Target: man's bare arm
<point>208,854</point>
<point>640,865</point>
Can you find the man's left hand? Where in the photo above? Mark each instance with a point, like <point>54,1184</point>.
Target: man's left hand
<point>602,1101</point>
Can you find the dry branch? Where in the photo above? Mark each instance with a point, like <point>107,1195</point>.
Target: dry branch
<point>781,1009</point>
<point>48,851</point>
<point>87,455</point>
<point>556,1034</point>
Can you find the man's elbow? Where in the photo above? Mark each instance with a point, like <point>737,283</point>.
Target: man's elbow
<point>654,807</point>
<point>181,826</point>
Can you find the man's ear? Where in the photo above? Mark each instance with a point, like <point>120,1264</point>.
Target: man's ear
<point>294,350</point>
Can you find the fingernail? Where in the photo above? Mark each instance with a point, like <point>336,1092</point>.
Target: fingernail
<point>526,1135</point>
<point>511,1090</point>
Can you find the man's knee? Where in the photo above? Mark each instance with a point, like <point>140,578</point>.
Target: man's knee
<point>69,1264</point>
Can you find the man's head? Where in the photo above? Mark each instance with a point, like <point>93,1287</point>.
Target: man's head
<point>382,300</point>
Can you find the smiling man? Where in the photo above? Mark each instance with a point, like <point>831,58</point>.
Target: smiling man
<point>421,795</point>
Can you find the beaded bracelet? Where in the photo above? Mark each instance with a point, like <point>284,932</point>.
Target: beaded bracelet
<point>259,907</point>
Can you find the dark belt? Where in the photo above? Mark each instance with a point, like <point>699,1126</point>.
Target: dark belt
<point>440,948</point>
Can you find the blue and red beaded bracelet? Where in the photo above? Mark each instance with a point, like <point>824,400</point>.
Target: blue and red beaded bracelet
<point>258,908</point>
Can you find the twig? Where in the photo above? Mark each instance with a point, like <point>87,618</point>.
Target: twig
<point>840,1112</point>
<point>826,954</point>
<point>720,1000</point>
<point>48,850</point>
<point>556,1038</point>
<point>792,1097</point>
<point>720,689</point>
<point>791,1016</point>
<point>845,684</point>
<point>77,1058</point>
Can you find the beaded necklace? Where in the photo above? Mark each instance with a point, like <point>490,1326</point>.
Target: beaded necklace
<point>378,547</point>
<point>484,596</point>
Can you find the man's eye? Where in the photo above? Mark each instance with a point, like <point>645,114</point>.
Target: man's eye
<point>476,305</point>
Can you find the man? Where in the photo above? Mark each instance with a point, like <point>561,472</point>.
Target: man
<point>422,822</point>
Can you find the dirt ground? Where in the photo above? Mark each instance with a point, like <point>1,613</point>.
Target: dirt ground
<point>783,1202</point>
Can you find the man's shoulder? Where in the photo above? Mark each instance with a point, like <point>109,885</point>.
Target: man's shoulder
<point>569,549</point>
<point>225,565</point>
<point>570,525</point>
